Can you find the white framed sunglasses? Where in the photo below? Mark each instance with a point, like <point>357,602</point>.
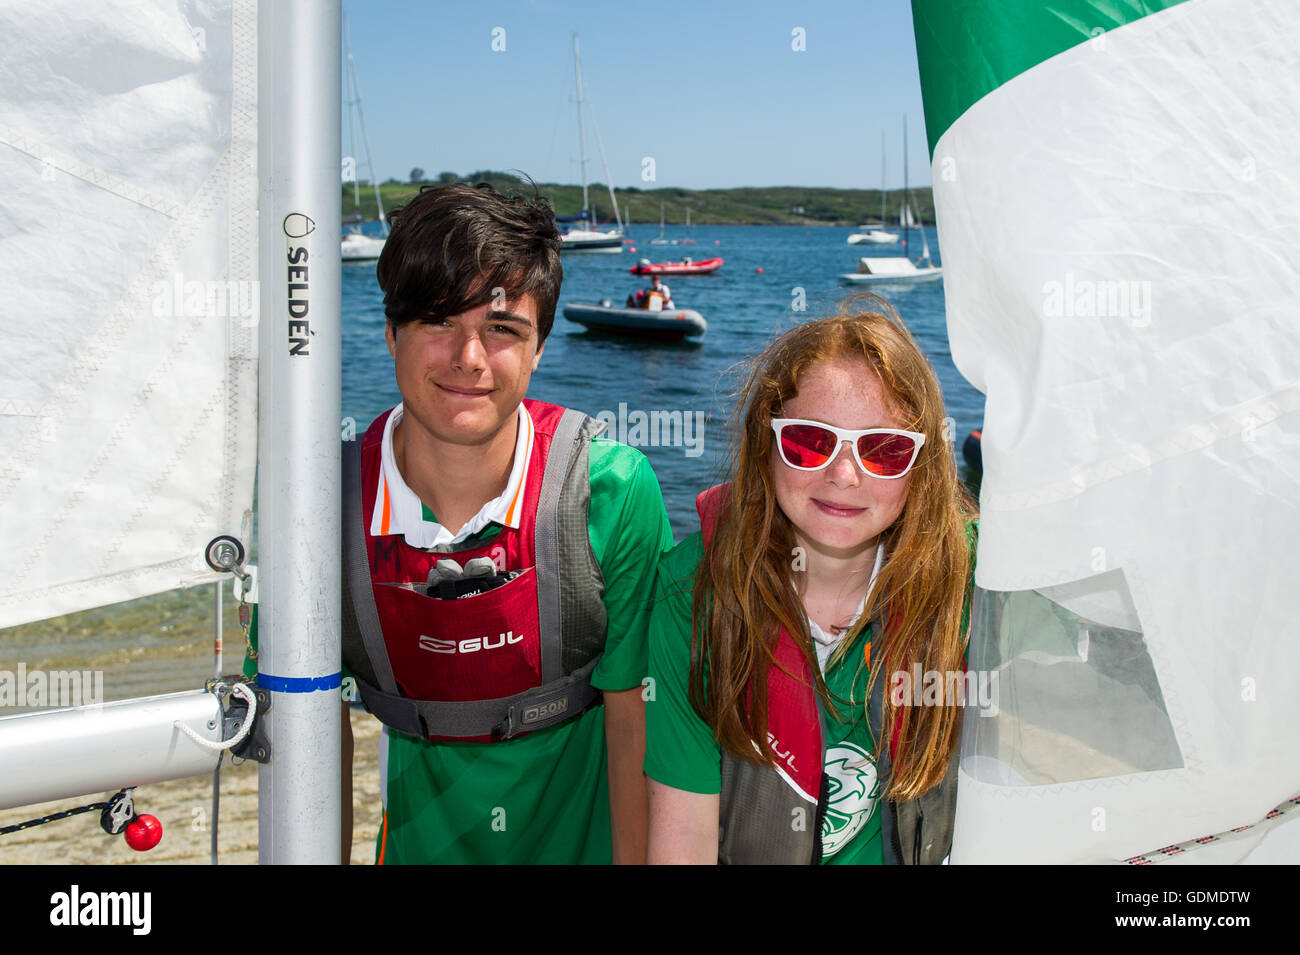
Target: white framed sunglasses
<point>881,452</point>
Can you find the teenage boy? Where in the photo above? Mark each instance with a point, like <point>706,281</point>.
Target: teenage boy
<point>510,555</point>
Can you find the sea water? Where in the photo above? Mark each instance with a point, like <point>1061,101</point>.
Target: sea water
<point>667,382</point>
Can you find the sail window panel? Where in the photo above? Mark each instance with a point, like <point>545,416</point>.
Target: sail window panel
<point>1075,694</point>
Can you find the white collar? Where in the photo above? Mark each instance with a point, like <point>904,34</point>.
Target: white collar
<point>399,511</point>
<point>824,643</point>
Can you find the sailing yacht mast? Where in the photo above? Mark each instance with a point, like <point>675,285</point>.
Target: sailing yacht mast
<point>582,133</point>
<point>907,201</point>
<point>582,145</point>
<point>298,433</point>
<point>352,132</point>
<point>365,140</point>
<point>882,177</point>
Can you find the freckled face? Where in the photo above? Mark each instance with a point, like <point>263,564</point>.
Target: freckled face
<point>462,378</point>
<point>840,510</point>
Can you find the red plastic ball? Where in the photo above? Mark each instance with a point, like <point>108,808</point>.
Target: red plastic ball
<point>759,270</point>
<point>143,832</point>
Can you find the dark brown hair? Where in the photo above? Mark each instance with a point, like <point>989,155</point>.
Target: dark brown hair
<point>745,591</point>
<point>451,246</point>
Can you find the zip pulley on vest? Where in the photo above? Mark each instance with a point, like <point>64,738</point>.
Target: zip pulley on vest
<point>449,581</point>
<point>454,626</point>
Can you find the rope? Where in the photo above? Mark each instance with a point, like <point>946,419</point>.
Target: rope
<point>1160,855</point>
<point>243,692</point>
<point>90,807</point>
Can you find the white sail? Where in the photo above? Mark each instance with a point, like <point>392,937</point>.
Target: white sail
<point>152,177</point>
<point>925,243</point>
<point>128,392</point>
<point>1140,494</point>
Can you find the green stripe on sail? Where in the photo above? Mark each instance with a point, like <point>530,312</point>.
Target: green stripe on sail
<point>967,48</point>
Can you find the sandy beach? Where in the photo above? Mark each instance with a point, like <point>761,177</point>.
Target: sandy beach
<point>184,806</point>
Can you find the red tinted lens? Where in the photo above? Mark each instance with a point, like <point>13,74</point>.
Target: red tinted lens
<point>806,445</point>
<point>886,454</point>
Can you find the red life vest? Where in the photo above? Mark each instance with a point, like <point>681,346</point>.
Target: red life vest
<point>794,735</point>
<point>505,654</point>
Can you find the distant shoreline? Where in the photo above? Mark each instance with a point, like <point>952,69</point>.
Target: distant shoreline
<point>742,205</point>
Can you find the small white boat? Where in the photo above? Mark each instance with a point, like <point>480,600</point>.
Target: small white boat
<point>873,237</point>
<point>361,248</point>
<point>676,323</point>
<point>589,240</point>
<point>897,270</point>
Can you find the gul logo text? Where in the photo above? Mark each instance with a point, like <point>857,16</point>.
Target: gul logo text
<point>470,644</point>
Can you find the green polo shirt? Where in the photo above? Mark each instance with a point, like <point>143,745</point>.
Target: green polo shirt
<point>544,797</point>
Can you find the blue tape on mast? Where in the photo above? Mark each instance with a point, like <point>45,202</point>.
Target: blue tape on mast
<point>300,684</point>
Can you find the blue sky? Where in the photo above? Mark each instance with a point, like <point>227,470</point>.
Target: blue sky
<point>713,91</point>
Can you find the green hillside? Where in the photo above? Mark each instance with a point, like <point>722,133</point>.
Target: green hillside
<point>775,205</point>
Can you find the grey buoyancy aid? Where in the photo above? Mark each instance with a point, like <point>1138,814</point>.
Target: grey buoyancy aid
<point>493,665</point>
<point>773,814</point>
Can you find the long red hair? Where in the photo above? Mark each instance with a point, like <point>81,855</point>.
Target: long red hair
<point>745,590</point>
